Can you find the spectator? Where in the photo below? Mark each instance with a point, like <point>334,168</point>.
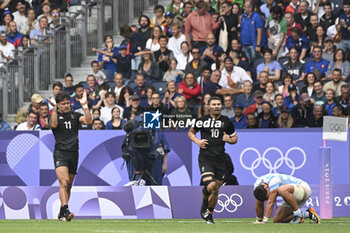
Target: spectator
<point>328,18</point>
<point>163,55</point>
<point>330,101</point>
<point>303,17</point>
<point>92,87</point>
<point>320,36</point>
<point>148,101</point>
<point>51,101</point>
<point>7,17</point>
<point>255,108</point>
<point>220,61</point>
<point>4,126</point>
<point>157,105</point>
<point>145,29</point>
<point>14,37</point>
<point>181,112</point>
<point>204,78</point>
<point>175,7</point>
<point>319,96</point>
<point>118,85</point>
<point>239,120</point>
<point>343,27</point>
<point>329,50</point>
<point>149,69</point>
<point>185,57</point>
<point>6,48</point>
<point>190,90</point>
<point>20,15</point>
<point>285,120</point>
<point>263,78</point>
<point>187,9</point>
<point>318,66</point>
<point>266,119</point>
<point>203,110</point>
<point>158,19</point>
<point>293,66</point>
<point>233,77</point>
<point>279,104</point>
<point>302,111</point>
<point>108,62</point>
<point>140,88</point>
<point>246,99</point>
<point>133,108</point>
<point>97,124</point>
<point>289,17</point>
<point>251,121</point>
<point>170,95</point>
<point>266,7</point>
<point>344,99</point>
<point>30,124</point>
<point>173,74</point>
<point>311,29</point>
<point>96,113</point>
<point>276,31</point>
<point>56,20</point>
<point>153,42</point>
<point>236,46</point>
<point>340,63</point>
<point>252,31</point>
<point>240,62</point>
<point>272,67</point>
<point>25,41</point>
<point>231,19</point>
<point>106,111</point>
<point>335,83</point>
<point>169,18</point>
<point>309,81</point>
<point>269,95</point>
<point>39,34</point>
<point>44,117</point>
<point>74,100</point>
<point>228,110</point>
<point>293,98</point>
<point>198,30</point>
<point>209,51</point>
<point>338,111</point>
<point>293,7</point>
<point>99,75</point>
<point>31,22</point>
<point>68,81</point>
<point>300,41</point>
<point>45,10</point>
<point>196,65</point>
<point>176,40</point>
<point>116,122</point>
<point>316,118</point>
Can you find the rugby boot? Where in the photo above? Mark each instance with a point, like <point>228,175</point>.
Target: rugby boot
<point>297,219</point>
<point>313,215</point>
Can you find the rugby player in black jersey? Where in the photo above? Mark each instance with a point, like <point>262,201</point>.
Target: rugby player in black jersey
<point>65,124</point>
<point>218,130</point>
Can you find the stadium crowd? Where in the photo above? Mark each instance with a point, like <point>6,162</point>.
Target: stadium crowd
<point>273,63</point>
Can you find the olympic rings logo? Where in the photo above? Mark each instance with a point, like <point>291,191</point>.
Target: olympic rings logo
<point>336,128</point>
<point>268,164</point>
<point>230,204</point>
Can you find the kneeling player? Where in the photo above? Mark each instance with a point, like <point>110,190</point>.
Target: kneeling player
<point>65,124</point>
<point>295,193</point>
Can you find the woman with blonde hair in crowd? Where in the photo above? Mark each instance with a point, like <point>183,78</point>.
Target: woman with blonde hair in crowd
<point>181,112</point>
<point>270,93</point>
<point>173,74</point>
<point>170,95</point>
<point>285,120</point>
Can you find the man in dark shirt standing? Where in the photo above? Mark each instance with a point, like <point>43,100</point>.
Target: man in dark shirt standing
<point>65,124</point>
<point>212,153</point>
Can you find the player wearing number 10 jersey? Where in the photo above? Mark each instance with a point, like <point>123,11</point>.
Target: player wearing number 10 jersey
<point>212,153</point>
<point>65,124</point>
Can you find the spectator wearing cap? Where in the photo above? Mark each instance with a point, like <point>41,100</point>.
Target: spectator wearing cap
<point>319,96</point>
<point>20,15</point>
<point>328,18</point>
<point>329,49</point>
<point>45,11</point>
<point>285,120</point>
<point>209,52</point>
<point>316,118</point>
<point>246,98</point>
<point>199,23</point>
<point>335,83</point>
<point>6,48</point>
<point>30,124</point>
<point>330,101</point>
<point>340,63</point>
<point>239,120</point>
<point>14,37</point>
<point>318,66</point>
<point>266,119</point>
<point>232,77</point>
<point>7,17</point>
<point>263,78</point>
<point>256,107</point>
<point>293,98</point>
<point>344,98</point>
<point>22,113</point>
<point>279,104</point>
<point>228,110</point>
<point>133,108</point>
<point>298,40</point>
<point>169,19</point>
<point>251,121</point>
<point>343,26</point>
<point>302,111</point>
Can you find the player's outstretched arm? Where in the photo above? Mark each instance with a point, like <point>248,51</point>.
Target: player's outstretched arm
<point>87,118</point>
<point>53,121</point>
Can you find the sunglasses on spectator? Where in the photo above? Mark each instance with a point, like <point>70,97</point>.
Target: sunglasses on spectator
<point>55,14</point>
<point>195,52</point>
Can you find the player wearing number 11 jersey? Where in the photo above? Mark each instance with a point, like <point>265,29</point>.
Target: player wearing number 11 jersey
<point>65,124</point>
<point>212,153</point>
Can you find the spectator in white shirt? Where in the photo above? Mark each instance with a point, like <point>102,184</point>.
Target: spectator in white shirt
<point>184,57</point>
<point>174,43</point>
<point>20,15</point>
<point>30,124</point>
<point>6,48</point>
<point>106,112</point>
<point>119,84</point>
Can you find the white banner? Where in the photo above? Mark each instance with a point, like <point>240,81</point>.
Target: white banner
<point>335,128</point>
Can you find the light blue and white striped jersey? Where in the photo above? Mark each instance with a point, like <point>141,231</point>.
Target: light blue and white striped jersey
<point>276,180</point>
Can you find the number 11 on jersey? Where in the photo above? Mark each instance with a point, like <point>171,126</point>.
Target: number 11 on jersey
<point>68,124</point>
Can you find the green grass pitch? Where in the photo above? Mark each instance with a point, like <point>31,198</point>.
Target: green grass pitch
<point>173,225</point>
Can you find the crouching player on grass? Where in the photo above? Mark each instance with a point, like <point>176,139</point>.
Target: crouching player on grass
<point>294,192</point>
<point>65,124</point>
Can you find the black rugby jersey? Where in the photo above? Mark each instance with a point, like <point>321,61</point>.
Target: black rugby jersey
<point>66,133</point>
